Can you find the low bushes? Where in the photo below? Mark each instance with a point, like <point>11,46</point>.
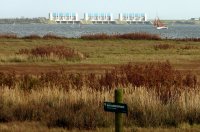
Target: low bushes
<point>132,36</point>
<point>53,51</point>
<point>160,77</point>
<point>156,94</point>
<point>163,46</point>
<point>8,36</point>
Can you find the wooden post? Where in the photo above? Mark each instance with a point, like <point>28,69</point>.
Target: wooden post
<point>118,116</point>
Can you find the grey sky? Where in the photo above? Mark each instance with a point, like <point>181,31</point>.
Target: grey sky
<point>165,9</point>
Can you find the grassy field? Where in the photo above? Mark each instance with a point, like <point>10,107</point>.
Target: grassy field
<point>99,55</point>
<point>110,51</point>
<point>54,83</point>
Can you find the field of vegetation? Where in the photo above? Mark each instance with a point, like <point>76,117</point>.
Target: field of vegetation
<point>61,83</point>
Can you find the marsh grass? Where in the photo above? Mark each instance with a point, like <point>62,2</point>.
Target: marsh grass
<point>83,109</point>
<point>51,53</point>
<point>8,36</point>
<point>113,51</point>
<point>60,99</point>
<point>32,36</point>
<point>131,36</point>
<point>163,46</point>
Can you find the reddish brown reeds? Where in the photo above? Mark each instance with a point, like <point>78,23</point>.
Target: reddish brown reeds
<point>163,46</point>
<point>156,94</point>
<point>189,39</point>
<point>139,36</point>
<point>132,36</point>
<point>52,36</point>
<point>159,77</point>
<point>8,36</point>
<point>33,36</point>
<point>95,36</point>
<point>58,51</point>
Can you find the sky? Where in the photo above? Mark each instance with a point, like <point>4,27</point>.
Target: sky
<point>165,9</point>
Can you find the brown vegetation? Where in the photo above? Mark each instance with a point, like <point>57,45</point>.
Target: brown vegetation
<point>33,36</point>
<point>132,36</point>
<point>189,39</point>
<point>52,36</point>
<point>161,77</point>
<point>58,51</point>
<point>156,93</point>
<point>163,46</point>
<point>8,36</point>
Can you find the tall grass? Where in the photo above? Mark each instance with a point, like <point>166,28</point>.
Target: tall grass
<point>99,36</point>
<point>60,52</point>
<point>160,77</point>
<point>83,109</point>
<point>163,46</point>
<point>189,39</point>
<point>132,36</point>
<point>8,36</point>
<point>32,36</point>
<point>157,95</point>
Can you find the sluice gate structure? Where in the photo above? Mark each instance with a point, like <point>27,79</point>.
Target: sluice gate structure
<point>64,18</point>
<point>98,18</point>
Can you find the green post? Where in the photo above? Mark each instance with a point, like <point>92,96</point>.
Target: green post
<point>118,116</point>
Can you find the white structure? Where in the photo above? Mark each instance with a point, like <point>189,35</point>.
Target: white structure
<point>64,17</point>
<point>133,17</point>
<point>99,18</point>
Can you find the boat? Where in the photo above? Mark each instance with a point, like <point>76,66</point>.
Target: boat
<point>158,24</point>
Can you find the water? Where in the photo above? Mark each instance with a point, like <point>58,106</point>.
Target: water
<point>174,31</point>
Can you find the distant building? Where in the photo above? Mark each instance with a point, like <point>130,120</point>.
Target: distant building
<point>195,19</point>
<point>64,17</point>
<point>133,17</point>
<point>99,17</point>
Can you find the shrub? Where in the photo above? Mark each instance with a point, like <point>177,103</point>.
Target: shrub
<point>52,36</point>
<point>33,36</point>
<point>132,36</point>
<point>58,51</point>
<point>162,46</point>
<point>8,36</point>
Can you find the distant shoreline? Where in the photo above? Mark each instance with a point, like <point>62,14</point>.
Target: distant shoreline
<point>44,20</point>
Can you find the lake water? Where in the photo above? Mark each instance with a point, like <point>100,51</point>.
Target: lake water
<point>174,31</point>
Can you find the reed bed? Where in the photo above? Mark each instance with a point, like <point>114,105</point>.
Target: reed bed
<point>131,36</point>
<point>99,36</point>
<point>60,99</point>
<point>32,36</point>
<point>189,39</point>
<point>8,36</point>
<point>163,46</point>
<point>52,52</point>
<point>83,109</point>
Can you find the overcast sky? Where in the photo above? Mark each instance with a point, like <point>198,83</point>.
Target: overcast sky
<point>165,9</point>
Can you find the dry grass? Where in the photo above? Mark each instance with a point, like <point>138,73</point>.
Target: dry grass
<point>83,109</point>
<point>32,36</point>
<point>189,39</point>
<point>52,52</point>
<point>52,36</point>
<point>8,36</point>
<point>39,127</point>
<point>131,36</point>
<point>163,46</point>
<point>75,100</point>
<point>166,80</point>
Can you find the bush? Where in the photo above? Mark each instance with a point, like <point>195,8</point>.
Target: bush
<point>132,36</point>
<point>52,36</point>
<point>33,36</point>
<point>58,51</point>
<point>8,36</point>
<point>162,46</point>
